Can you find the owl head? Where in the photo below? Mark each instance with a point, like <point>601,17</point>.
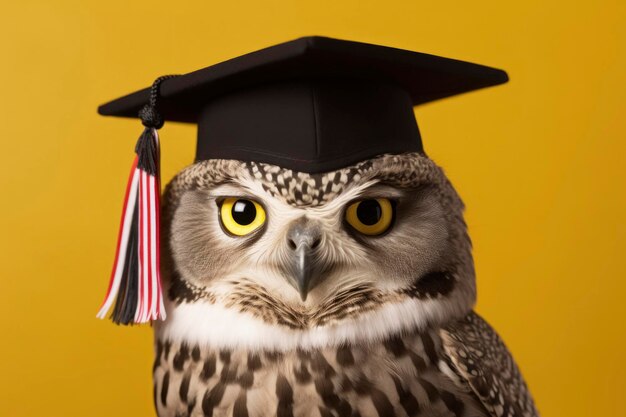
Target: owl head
<point>261,254</point>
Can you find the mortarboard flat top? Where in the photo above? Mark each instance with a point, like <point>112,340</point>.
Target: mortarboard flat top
<point>312,104</point>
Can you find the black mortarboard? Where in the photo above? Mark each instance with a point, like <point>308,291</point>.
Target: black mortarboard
<point>314,104</point>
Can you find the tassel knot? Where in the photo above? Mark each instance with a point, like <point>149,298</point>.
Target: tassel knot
<point>150,117</point>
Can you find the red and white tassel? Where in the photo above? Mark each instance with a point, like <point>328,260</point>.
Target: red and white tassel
<point>135,284</point>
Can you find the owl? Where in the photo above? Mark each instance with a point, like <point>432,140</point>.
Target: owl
<point>313,261</point>
<point>345,293</point>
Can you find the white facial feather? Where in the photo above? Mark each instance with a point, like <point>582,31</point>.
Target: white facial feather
<point>215,326</point>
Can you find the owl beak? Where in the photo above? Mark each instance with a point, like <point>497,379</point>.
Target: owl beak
<point>303,240</point>
<point>303,270</point>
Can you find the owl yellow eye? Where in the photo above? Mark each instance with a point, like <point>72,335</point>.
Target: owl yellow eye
<point>240,216</point>
<point>371,217</point>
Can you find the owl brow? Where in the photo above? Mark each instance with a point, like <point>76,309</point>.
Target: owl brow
<point>232,188</point>
<point>403,184</point>
<point>381,190</point>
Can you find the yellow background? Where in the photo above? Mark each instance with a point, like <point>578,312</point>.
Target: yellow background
<point>540,163</point>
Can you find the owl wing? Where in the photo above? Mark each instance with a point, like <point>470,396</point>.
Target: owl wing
<point>478,355</point>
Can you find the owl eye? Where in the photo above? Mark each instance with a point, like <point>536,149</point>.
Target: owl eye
<point>240,216</point>
<point>371,216</point>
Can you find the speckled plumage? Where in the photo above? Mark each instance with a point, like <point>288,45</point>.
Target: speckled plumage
<point>389,332</point>
<point>422,374</point>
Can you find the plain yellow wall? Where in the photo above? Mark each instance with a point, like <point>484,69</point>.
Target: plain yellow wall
<point>540,163</point>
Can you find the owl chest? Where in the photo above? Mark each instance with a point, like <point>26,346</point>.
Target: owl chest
<point>399,377</point>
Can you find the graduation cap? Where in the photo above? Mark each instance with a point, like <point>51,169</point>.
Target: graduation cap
<point>313,105</point>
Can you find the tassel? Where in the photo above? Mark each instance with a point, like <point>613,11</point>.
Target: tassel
<point>135,283</point>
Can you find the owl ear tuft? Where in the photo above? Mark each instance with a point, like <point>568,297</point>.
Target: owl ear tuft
<point>135,283</point>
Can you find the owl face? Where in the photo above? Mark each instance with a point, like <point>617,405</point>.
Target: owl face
<point>303,252</point>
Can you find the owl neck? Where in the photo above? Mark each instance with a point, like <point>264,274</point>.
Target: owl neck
<point>217,326</point>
